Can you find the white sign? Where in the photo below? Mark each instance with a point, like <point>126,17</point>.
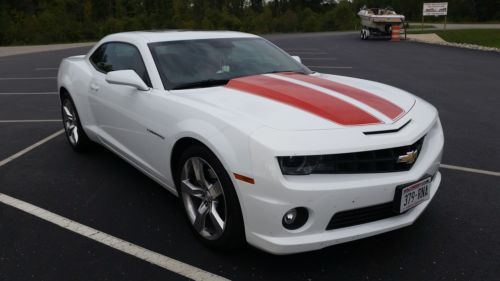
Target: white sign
<point>435,9</point>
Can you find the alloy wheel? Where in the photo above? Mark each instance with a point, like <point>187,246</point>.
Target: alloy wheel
<point>70,122</point>
<point>203,198</point>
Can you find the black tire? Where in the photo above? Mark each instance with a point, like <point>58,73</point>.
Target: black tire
<point>233,234</point>
<point>364,35</point>
<point>81,143</point>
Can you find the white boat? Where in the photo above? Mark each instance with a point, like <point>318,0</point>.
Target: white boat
<point>379,22</point>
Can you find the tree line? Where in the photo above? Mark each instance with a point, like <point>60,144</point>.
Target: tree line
<point>53,21</point>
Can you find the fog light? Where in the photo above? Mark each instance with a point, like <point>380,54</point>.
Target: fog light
<point>295,218</point>
<point>290,216</point>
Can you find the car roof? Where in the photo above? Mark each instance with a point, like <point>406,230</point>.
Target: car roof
<point>174,35</point>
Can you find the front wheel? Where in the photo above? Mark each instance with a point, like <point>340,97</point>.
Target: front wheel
<point>209,199</point>
<point>72,126</point>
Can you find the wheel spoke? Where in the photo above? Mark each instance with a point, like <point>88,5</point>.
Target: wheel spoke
<point>74,133</point>
<point>68,113</point>
<point>216,220</point>
<point>198,171</point>
<point>215,189</point>
<point>201,216</point>
<point>190,189</point>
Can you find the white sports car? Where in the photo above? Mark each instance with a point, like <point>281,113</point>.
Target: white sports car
<point>256,146</point>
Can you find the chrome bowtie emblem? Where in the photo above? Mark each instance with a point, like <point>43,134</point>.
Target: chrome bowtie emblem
<point>409,157</point>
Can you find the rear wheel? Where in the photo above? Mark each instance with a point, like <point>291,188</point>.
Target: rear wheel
<point>209,199</point>
<point>72,126</point>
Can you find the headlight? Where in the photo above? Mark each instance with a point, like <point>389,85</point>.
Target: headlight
<point>298,165</point>
<point>373,161</point>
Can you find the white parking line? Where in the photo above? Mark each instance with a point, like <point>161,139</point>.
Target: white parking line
<point>30,121</point>
<point>30,148</point>
<point>160,260</point>
<point>35,93</point>
<point>26,78</point>
<point>330,67</point>
<point>470,170</point>
<point>165,262</point>
<point>46,68</point>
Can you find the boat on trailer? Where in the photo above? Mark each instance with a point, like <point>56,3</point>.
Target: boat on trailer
<point>377,22</point>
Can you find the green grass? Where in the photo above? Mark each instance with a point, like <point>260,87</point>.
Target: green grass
<point>418,26</point>
<point>483,37</point>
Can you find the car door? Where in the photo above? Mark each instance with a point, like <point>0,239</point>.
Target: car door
<point>122,113</point>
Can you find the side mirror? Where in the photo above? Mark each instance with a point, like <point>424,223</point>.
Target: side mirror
<point>297,58</point>
<point>127,78</point>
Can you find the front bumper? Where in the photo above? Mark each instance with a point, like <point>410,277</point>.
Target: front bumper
<point>317,240</point>
<point>273,194</point>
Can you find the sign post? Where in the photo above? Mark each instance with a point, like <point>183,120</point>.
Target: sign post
<point>435,9</point>
<point>422,22</point>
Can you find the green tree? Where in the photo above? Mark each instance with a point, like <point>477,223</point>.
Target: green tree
<point>344,16</point>
<point>49,21</point>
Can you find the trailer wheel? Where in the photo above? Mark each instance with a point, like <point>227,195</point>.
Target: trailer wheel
<point>363,34</point>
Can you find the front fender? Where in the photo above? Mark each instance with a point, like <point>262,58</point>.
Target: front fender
<point>74,75</point>
<point>230,144</point>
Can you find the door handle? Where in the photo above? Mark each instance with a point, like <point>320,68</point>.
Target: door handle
<point>94,87</point>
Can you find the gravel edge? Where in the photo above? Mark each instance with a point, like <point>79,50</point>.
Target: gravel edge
<point>460,45</point>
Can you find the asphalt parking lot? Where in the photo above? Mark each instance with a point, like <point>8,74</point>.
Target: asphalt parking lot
<point>457,238</point>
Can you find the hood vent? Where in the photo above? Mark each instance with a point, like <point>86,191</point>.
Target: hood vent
<point>387,131</point>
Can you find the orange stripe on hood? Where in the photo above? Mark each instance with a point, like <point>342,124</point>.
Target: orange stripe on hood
<point>382,105</point>
<point>310,100</point>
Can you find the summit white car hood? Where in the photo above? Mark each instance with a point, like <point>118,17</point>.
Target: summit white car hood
<point>290,101</point>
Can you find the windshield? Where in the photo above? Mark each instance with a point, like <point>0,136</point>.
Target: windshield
<point>211,62</point>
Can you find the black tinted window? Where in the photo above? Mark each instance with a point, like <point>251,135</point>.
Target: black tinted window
<point>98,56</point>
<point>186,62</point>
<point>119,56</point>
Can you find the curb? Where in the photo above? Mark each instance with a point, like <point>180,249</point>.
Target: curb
<point>460,45</point>
<point>6,51</point>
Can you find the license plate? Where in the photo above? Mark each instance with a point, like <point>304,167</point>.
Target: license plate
<point>409,196</point>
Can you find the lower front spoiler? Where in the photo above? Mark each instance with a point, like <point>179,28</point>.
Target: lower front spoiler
<point>311,242</point>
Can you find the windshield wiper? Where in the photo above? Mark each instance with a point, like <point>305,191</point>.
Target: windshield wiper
<point>202,84</point>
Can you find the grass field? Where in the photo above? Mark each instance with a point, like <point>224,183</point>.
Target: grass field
<point>418,26</point>
<point>483,37</point>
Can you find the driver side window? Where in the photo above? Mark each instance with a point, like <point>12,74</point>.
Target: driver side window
<point>119,56</point>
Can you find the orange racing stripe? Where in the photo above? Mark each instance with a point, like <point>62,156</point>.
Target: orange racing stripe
<point>310,100</point>
<point>380,104</point>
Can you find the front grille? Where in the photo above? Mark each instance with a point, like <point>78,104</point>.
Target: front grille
<point>374,161</point>
<point>361,215</point>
